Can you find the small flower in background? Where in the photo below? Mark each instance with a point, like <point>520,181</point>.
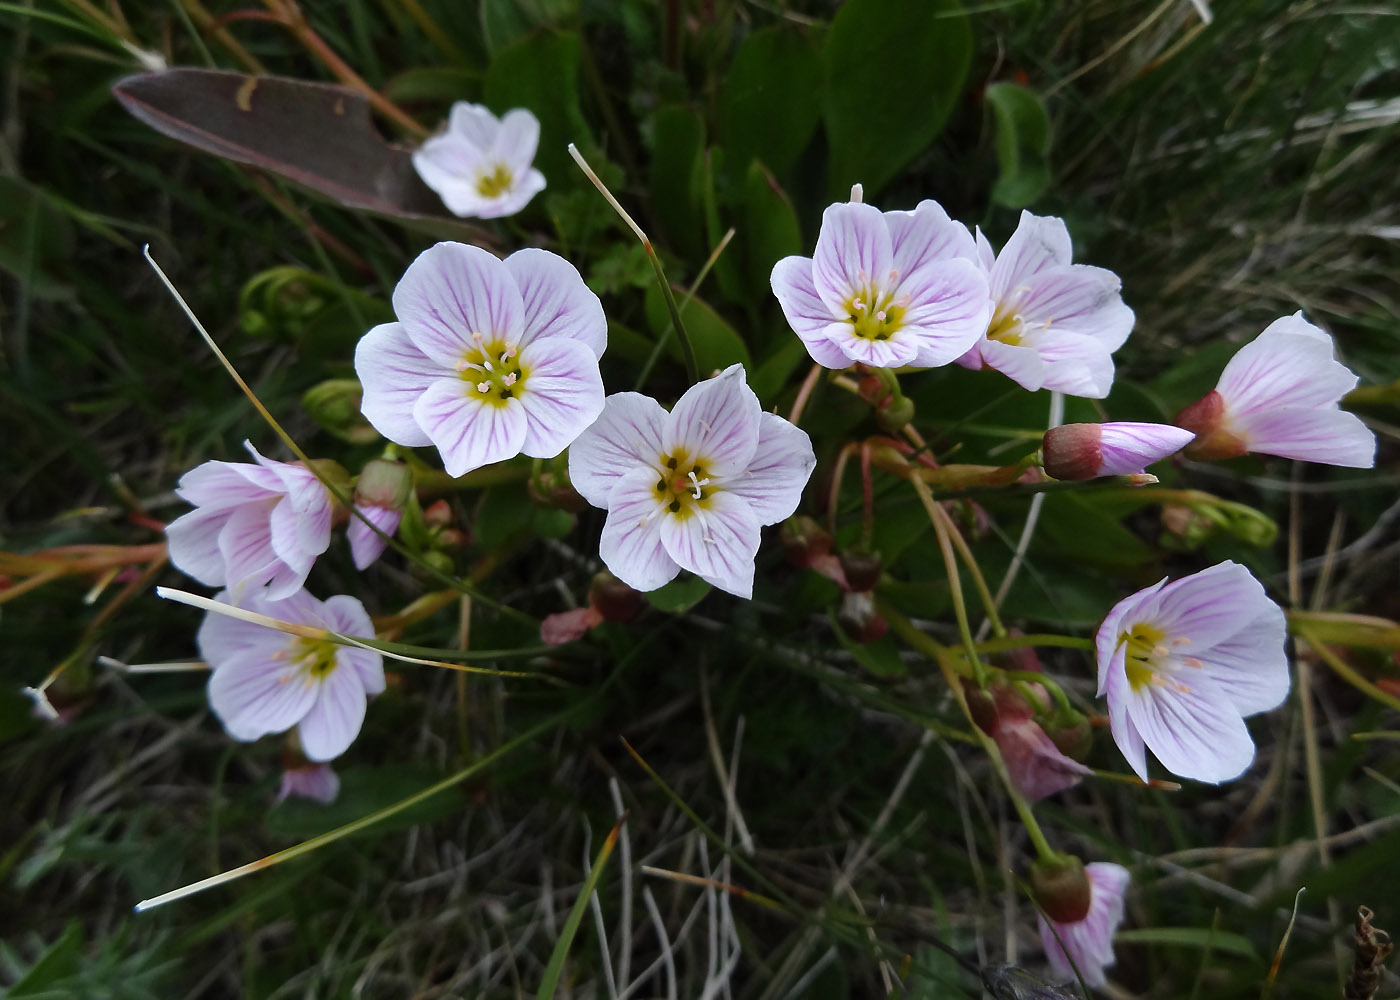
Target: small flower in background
<point>1182,664</point>
<point>316,782</point>
<point>1279,396</point>
<point>489,358</point>
<point>1055,324</point>
<point>886,289</point>
<point>381,493</point>
<point>1084,904</point>
<point>690,489</point>
<point>609,600</point>
<point>1087,451</point>
<point>480,166</point>
<point>255,524</point>
<point>266,681</point>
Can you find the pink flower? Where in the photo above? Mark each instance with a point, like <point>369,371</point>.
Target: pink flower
<point>489,358</point>
<point>310,781</point>
<point>1182,664</point>
<point>255,524</point>
<point>1034,763</point>
<point>1055,324</point>
<point>1089,940</point>
<point>690,489</point>
<point>266,681</point>
<point>886,289</point>
<point>1279,396</point>
<point>1086,451</point>
<point>383,489</point>
<point>480,166</point>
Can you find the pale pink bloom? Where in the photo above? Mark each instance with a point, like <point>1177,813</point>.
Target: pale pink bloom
<point>1055,324</point>
<point>567,626</point>
<point>489,358</point>
<point>690,489</point>
<point>310,781</point>
<point>1182,664</point>
<point>885,288</point>
<point>1086,451</point>
<point>1089,942</point>
<point>1034,763</point>
<point>365,545</point>
<point>266,681</point>
<point>255,524</point>
<point>382,491</point>
<point>481,165</point>
<point>1279,396</point>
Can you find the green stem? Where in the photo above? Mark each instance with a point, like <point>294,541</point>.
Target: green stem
<point>950,564</point>
<point>1030,489</point>
<point>1009,642</point>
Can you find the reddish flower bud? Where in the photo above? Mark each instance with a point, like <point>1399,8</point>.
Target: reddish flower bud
<point>615,600</point>
<point>859,619</point>
<point>804,541</point>
<point>1206,418</point>
<point>1071,733</point>
<point>438,514</point>
<point>894,414</point>
<point>1087,451</point>
<point>1061,888</point>
<point>566,626</point>
<point>862,569</point>
<point>383,483</point>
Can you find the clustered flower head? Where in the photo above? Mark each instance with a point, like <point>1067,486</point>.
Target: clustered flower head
<point>1279,395</point>
<point>489,359</point>
<point>690,489</point>
<point>481,165</point>
<point>1184,663</point>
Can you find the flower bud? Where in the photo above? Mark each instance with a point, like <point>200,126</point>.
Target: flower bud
<point>982,707</point>
<point>895,414</point>
<point>1070,732</point>
<point>615,600</point>
<point>438,515</point>
<point>566,626</point>
<point>1061,888</point>
<point>1206,418</point>
<point>384,483</point>
<point>804,541</point>
<point>1086,451</point>
<point>550,487</point>
<point>859,619</point>
<point>335,405</point>
<point>862,569</point>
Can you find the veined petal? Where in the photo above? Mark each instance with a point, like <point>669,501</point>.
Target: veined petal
<point>347,616</point>
<point>925,235</point>
<point>557,303</point>
<point>517,139</point>
<point>450,166</point>
<point>245,541</point>
<point>1075,364</point>
<point>1039,242</point>
<point>1113,682</point>
<point>221,485</point>
<point>631,544</point>
<point>1290,364</point>
<point>474,124</point>
<point>468,430</point>
<point>717,543</point>
<point>282,522</point>
<point>627,436</point>
<point>333,721</point>
<point>1330,436</point>
<point>452,291</point>
<point>1078,299</point>
<point>948,309</point>
<point>1250,667</point>
<point>253,695</point>
<point>1023,365</point>
<point>193,539</point>
<point>562,396</point>
<point>853,250</point>
<point>1192,728</point>
<point>221,636</point>
<point>899,350</point>
<point>393,374</point>
<point>804,309</point>
<point>1124,615</point>
<point>365,545</point>
<point>1127,447</point>
<point>716,421</point>
<point>778,472</point>
<point>1206,607</point>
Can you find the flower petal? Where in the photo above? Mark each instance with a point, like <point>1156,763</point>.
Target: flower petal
<point>853,250</point>
<point>625,437</point>
<point>1207,607</point>
<point>1113,682</point>
<point>806,312</point>
<point>1074,363</point>
<point>451,166</point>
<point>334,720</point>
<point>193,540</point>
<point>948,309</point>
<point>562,395</point>
<point>1127,447</point>
<point>1121,618</point>
<point>347,616</point>
<point>778,472</point>
<point>557,303</point>
<point>1193,729</point>
<point>253,695</point>
<point>220,637</point>
<point>221,485</point>
<point>1290,364</point>
<point>468,430</point>
<point>1023,365</point>
<point>631,544</point>
<point>245,541</point>
<point>393,374</point>
<point>1039,242</point>
<point>925,235</point>
<point>517,139</point>
<point>1250,667</point>
<point>1330,436</point>
<point>365,545</point>
<point>716,421</point>
<point>452,291</point>
<point>717,543</point>
<point>474,124</point>
<point>1078,299</point>
<point>899,350</point>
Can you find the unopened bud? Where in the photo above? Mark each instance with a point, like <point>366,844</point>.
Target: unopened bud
<point>1121,448</point>
<point>859,619</point>
<point>1070,732</point>
<point>550,487</point>
<point>384,483</point>
<point>862,569</point>
<point>1206,419</point>
<point>615,600</point>
<point>335,405</point>
<point>438,515</point>
<point>1061,887</point>
<point>804,541</point>
<point>896,415</point>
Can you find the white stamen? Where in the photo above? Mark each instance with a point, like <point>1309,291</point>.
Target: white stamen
<point>894,274</point>
<point>487,363</point>
<point>478,337</point>
<point>483,387</point>
<point>509,380</point>
<point>695,484</point>
<point>880,315</point>
<point>857,305</point>
<point>709,541</point>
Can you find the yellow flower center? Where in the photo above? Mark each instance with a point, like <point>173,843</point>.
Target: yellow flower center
<point>493,370</point>
<point>1006,326</point>
<point>1152,657</point>
<point>682,486</point>
<point>495,183</point>
<point>311,659</point>
<point>874,313</point>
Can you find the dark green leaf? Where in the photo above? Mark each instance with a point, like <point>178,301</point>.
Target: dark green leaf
<point>540,72</point>
<point>1023,144</point>
<point>364,790</point>
<point>770,232</point>
<point>767,106</point>
<point>681,594</point>
<point>678,139</point>
<point>893,74</point>
<point>58,962</point>
<point>717,344</point>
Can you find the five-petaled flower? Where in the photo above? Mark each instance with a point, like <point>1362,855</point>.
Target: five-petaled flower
<point>489,358</point>
<point>1279,396</point>
<point>1088,940</point>
<point>267,681</point>
<point>690,489</point>
<point>480,166</point>
<point>1183,663</point>
<point>1055,324</point>
<point>255,524</point>
<point>885,288</point>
